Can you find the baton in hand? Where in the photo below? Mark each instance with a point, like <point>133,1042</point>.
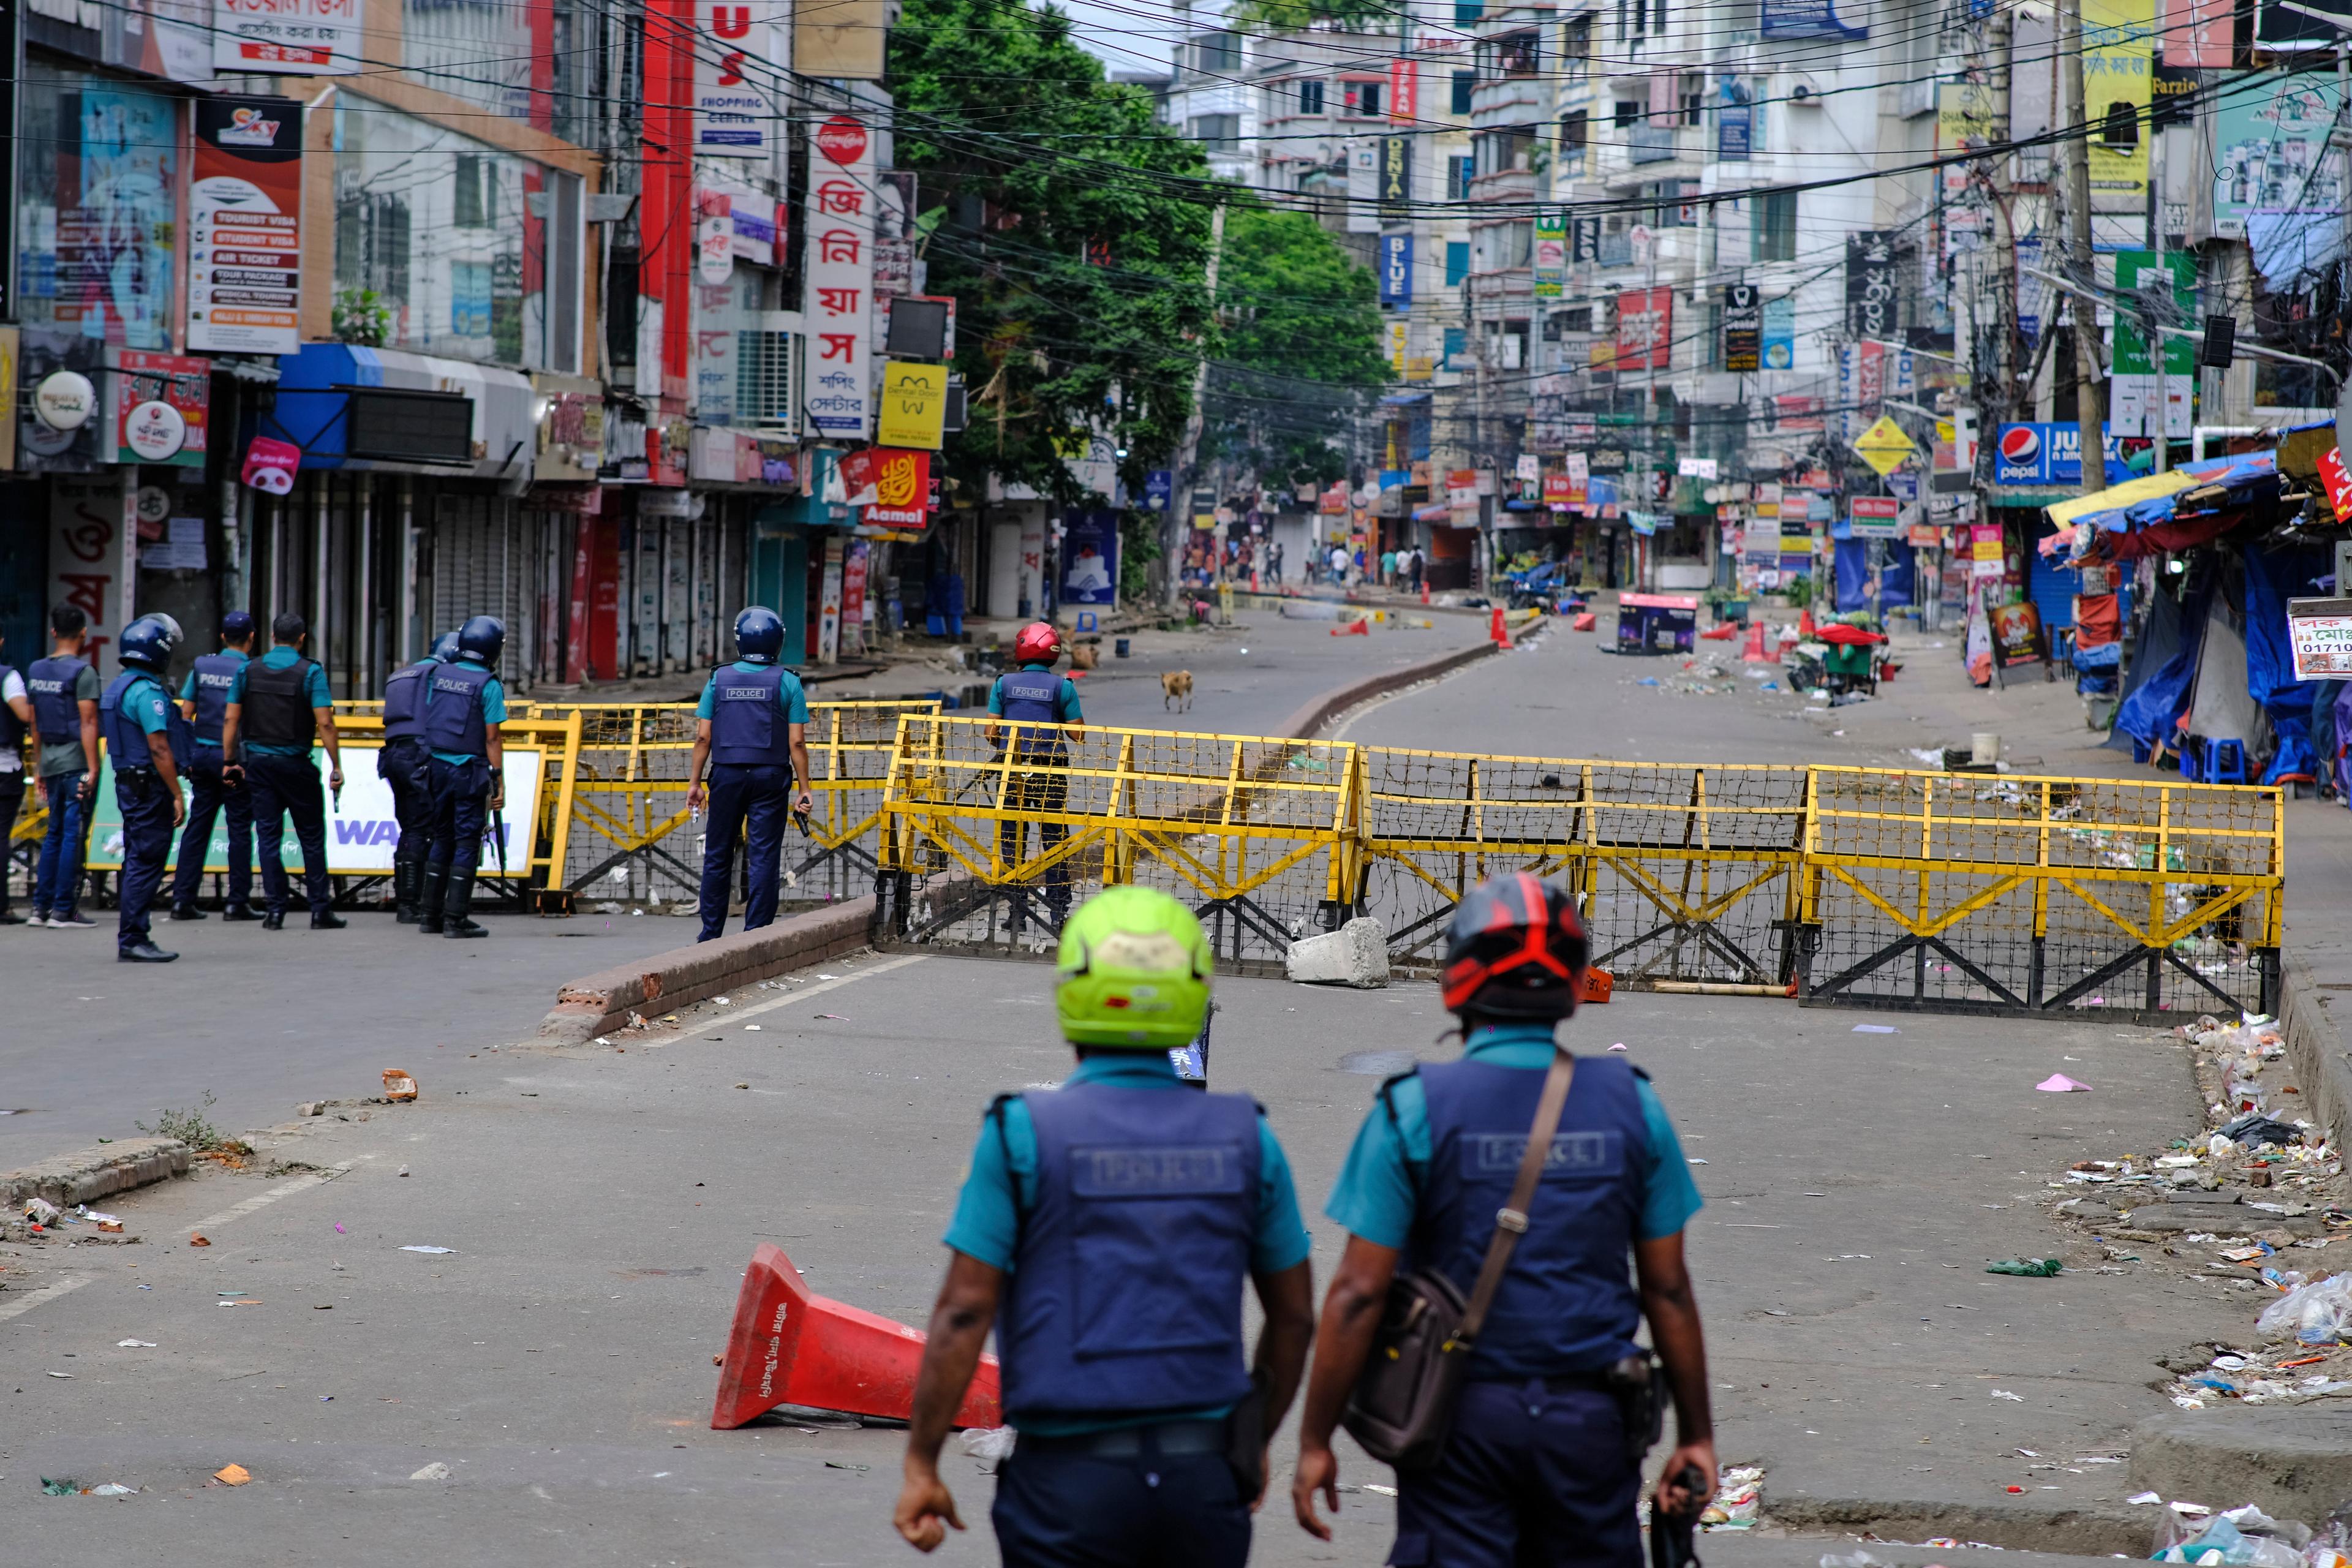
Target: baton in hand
<point>1670,1533</point>
<point>498,839</point>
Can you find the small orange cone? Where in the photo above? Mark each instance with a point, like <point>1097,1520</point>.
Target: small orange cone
<point>1755,653</point>
<point>1500,631</point>
<point>1584,622</point>
<point>1353,629</point>
<point>1424,593</point>
<point>791,1347</point>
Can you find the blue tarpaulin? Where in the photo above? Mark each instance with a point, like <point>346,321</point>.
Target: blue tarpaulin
<point>2272,577</point>
<point>1852,575</point>
<point>2164,668</point>
<point>1897,579</point>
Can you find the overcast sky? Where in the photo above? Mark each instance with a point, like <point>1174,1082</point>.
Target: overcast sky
<point>1129,34</point>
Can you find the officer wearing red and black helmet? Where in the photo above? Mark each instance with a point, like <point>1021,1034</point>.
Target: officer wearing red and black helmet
<point>1542,1465</point>
<point>1043,711</point>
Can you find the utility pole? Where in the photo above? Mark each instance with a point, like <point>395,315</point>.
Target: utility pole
<point>1179,489</point>
<point>2074,115</point>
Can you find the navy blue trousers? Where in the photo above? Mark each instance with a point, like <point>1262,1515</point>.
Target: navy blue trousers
<point>748,800</point>
<point>1083,1510</point>
<point>461,807</point>
<point>1531,1478</point>
<point>146,807</point>
<point>402,764</point>
<point>57,878</point>
<point>284,786</point>
<point>209,796</point>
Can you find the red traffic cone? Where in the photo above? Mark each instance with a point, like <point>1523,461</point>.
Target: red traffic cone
<point>790,1347</point>
<point>1755,652</point>
<point>1500,631</point>
<point>1424,593</point>
<point>1353,629</point>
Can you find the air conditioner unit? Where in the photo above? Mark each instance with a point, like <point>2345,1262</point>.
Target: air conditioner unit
<point>767,393</point>
<point>1804,90</point>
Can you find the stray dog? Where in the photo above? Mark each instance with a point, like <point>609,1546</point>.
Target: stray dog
<point>1176,687</point>
<point>1085,656</point>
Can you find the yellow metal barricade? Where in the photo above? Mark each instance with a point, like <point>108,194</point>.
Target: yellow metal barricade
<point>997,841</point>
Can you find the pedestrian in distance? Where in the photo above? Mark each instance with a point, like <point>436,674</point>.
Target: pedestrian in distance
<point>752,729</point>
<point>279,709</point>
<point>148,740</point>
<point>464,707</point>
<point>1105,1230</point>
<point>402,766</point>
<point>1388,567</point>
<point>64,692</point>
<point>15,724</point>
<point>1339,565</point>
<point>1555,1408</point>
<point>203,702</point>
<point>1418,564</point>
<point>1046,717</point>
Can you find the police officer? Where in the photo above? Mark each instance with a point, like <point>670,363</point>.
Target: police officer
<point>15,724</point>
<point>751,727</point>
<point>278,706</point>
<point>1045,707</point>
<point>464,706</point>
<point>150,742</point>
<point>1106,1229</point>
<point>204,702</point>
<point>64,691</point>
<point>1538,1468</point>
<point>401,763</point>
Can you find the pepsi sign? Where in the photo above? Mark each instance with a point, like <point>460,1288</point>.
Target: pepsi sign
<point>2045,454</point>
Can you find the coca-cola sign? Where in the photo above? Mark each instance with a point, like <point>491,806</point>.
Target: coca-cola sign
<point>842,139</point>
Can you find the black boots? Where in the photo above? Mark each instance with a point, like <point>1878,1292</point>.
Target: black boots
<point>432,886</point>
<point>327,920</point>
<point>240,912</point>
<point>407,891</point>
<point>457,917</point>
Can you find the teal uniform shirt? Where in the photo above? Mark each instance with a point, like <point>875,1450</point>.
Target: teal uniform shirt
<point>149,702</point>
<point>188,690</point>
<point>494,707</point>
<point>1066,700</point>
<point>314,689</point>
<point>790,697</point>
<point>1373,1197</point>
<point>987,1224</point>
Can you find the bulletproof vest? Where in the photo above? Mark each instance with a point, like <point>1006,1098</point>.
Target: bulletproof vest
<point>215,674</point>
<point>453,710</point>
<point>1566,1302</point>
<point>12,729</point>
<point>118,723</point>
<point>746,723</point>
<point>276,705</point>
<point>1031,694</point>
<point>50,684</point>
<point>1126,1293</point>
<point>403,701</point>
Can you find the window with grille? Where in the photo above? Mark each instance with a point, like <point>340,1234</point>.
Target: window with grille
<point>764,392</point>
<point>1310,97</point>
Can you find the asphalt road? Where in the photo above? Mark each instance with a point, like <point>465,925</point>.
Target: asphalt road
<point>601,1204</point>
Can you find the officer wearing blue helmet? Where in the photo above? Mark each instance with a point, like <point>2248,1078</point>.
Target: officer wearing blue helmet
<point>752,729</point>
<point>148,742</point>
<point>402,764</point>
<point>464,706</point>
<point>204,702</point>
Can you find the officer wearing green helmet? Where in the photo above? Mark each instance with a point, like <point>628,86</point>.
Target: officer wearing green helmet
<point>1105,1230</point>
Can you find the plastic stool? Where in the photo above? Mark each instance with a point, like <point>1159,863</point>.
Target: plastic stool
<point>2225,762</point>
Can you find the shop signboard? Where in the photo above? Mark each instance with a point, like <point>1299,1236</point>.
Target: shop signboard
<point>2321,632</point>
<point>840,270</point>
<point>245,222</point>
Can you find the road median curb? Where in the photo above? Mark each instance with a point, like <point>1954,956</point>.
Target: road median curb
<point>2096,1531</point>
<point>599,1003</point>
<point>89,1174</point>
<point>2314,1044</point>
<point>1310,720</point>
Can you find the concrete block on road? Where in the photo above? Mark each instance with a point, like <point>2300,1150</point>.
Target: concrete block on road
<point>93,1174</point>
<point>597,1003</point>
<point>2292,1462</point>
<point>1356,955</point>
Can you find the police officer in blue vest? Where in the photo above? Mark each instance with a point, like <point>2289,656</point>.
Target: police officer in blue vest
<point>148,743</point>
<point>1106,1230</point>
<point>64,690</point>
<point>204,702</point>
<point>1543,1464</point>
<point>464,706</point>
<point>278,707</point>
<point>402,766</point>
<point>752,728</point>
<point>1046,717</point>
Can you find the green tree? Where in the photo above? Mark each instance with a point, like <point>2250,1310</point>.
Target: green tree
<point>1073,229</point>
<point>1302,359</point>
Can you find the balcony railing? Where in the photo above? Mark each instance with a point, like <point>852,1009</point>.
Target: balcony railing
<point>1505,185</point>
<point>1647,143</point>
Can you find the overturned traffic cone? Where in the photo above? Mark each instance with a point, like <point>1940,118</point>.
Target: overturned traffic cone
<point>1498,630</point>
<point>790,1347</point>
<point>1584,622</point>
<point>1362,628</point>
<point>1724,632</point>
<point>1755,652</point>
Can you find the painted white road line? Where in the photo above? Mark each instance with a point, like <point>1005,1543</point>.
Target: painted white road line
<point>731,1014</point>
<point>286,1190</point>
<point>26,1303</point>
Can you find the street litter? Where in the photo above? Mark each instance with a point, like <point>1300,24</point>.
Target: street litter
<point>435,1471</point>
<point>2028,1267</point>
<point>59,1489</point>
<point>991,1443</point>
<point>2242,1535</point>
<point>1378,1491</point>
<point>402,1171</point>
<point>67,1375</point>
<point>112,1488</point>
<point>135,1344</point>
<point>398,1085</point>
<point>232,1474</point>
<point>753,1027</point>
<point>2059,1083</point>
<point>1738,1498</point>
<point>435,1250</point>
<point>835,1016</point>
<point>40,1211</point>
<point>845,1465</point>
<point>1876,1029</point>
<point>2004,1394</point>
<point>2145,1497</point>
<point>198,1241</point>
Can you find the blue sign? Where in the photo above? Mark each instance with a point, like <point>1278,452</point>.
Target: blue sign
<point>1159,485</point>
<point>1735,123</point>
<point>1090,558</point>
<point>1779,337</point>
<point>1808,19</point>
<point>1396,269</point>
<point>2048,454</point>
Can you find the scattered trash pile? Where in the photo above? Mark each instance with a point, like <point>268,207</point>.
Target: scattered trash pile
<point>1705,678</point>
<point>1738,1498</point>
<point>37,1219</point>
<point>2190,1533</point>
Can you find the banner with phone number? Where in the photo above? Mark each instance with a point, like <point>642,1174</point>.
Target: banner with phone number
<point>362,830</point>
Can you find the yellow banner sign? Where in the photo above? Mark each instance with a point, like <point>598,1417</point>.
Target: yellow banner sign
<point>1884,446</point>
<point>914,405</point>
